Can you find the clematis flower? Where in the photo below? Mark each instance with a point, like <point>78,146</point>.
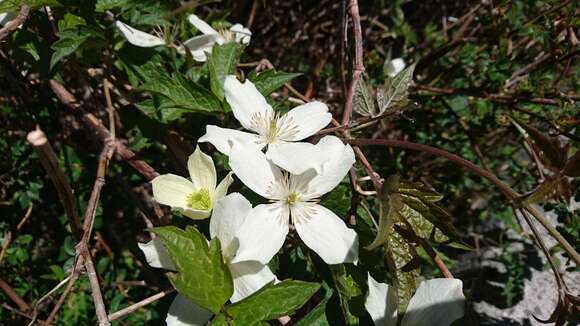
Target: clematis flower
<point>228,217</point>
<point>280,133</point>
<point>198,45</point>
<point>194,198</point>
<point>294,198</point>
<point>438,301</point>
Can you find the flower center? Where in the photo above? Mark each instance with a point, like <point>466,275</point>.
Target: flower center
<point>199,200</point>
<point>293,198</point>
<point>272,127</point>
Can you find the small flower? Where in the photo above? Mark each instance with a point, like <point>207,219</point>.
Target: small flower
<point>394,67</point>
<point>199,46</point>
<point>438,301</point>
<point>280,133</point>
<point>194,198</point>
<point>229,215</point>
<point>294,198</point>
<point>202,44</point>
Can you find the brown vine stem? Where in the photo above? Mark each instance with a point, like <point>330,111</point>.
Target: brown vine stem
<point>358,61</point>
<point>101,131</point>
<point>512,195</point>
<point>15,23</point>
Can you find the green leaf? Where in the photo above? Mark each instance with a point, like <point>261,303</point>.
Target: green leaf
<point>221,63</point>
<point>363,100</point>
<point>72,39</point>
<point>403,266</point>
<point>271,302</point>
<point>183,93</point>
<point>270,80</point>
<point>317,316</point>
<point>349,291</point>
<point>338,200</point>
<point>201,275</point>
<point>394,95</point>
<point>13,5</point>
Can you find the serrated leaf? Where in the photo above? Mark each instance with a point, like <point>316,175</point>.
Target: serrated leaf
<point>317,316</point>
<point>72,39</point>
<point>548,148</point>
<point>553,188</point>
<point>363,102</point>
<point>183,94</point>
<point>202,276</point>
<point>395,93</point>
<point>270,80</point>
<point>271,302</point>
<point>401,258</point>
<point>572,167</point>
<point>221,63</point>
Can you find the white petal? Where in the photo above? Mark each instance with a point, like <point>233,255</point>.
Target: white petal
<point>199,46</point>
<point>249,277</point>
<point>195,214</point>
<point>246,102</point>
<point>254,170</point>
<point>202,170</point>
<point>310,118</point>
<point>201,25</point>
<point>172,190</point>
<point>438,301</point>
<point>339,159</point>
<point>296,157</point>
<point>183,312</point>
<point>381,303</point>
<point>325,233</point>
<point>242,34</point>
<point>263,233</point>
<point>222,188</point>
<point>222,138</point>
<point>395,66</point>
<point>137,37</point>
<point>156,254</point>
<point>228,215</point>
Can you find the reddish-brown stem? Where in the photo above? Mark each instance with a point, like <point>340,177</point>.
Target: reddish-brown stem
<point>15,23</point>
<point>7,289</point>
<point>358,61</point>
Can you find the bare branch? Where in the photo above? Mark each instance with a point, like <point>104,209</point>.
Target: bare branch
<point>15,23</point>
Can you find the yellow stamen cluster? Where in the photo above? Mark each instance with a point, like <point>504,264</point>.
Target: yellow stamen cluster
<point>199,200</point>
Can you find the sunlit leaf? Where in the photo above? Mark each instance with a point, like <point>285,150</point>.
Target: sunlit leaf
<point>395,93</point>
<point>270,80</point>
<point>363,103</point>
<point>221,63</point>
<point>201,275</point>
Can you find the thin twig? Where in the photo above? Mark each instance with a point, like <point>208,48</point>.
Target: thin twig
<point>101,131</point>
<point>125,311</point>
<point>50,163</point>
<point>7,289</point>
<point>15,23</point>
<point>11,234</point>
<point>436,259</point>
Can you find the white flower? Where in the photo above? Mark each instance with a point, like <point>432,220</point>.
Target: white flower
<point>394,67</point>
<point>438,302</point>
<point>194,198</point>
<point>228,217</point>
<point>198,45</point>
<point>294,197</point>
<point>280,133</point>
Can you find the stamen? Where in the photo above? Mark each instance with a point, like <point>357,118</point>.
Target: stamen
<point>199,200</point>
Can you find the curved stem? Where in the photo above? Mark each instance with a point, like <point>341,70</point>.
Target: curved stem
<point>511,194</point>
